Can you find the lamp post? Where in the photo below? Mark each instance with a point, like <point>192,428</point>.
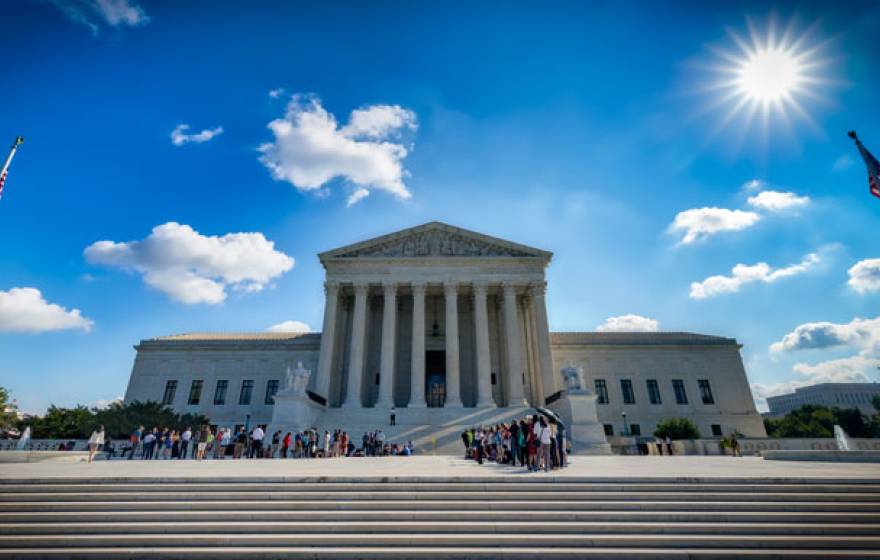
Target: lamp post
<point>625,427</point>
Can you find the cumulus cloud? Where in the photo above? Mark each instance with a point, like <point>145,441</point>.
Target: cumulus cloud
<point>94,13</point>
<point>629,323</point>
<point>752,185</point>
<point>776,201</point>
<point>101,404</point>
<point>702,223</point>
<point>194,268</point>
<point>863,334</point>
<point>290,327</point>
<point>276,93</point>
<point>743,274</point>
<point>310,148</point>
<point>179,137</point>
<point>859,334</point>
<point>25,310</point>
<point>864,276</point>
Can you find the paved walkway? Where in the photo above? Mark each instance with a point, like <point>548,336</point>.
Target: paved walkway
<point>613,468</point>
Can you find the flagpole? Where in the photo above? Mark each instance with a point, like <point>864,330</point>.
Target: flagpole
<point>19,140</point>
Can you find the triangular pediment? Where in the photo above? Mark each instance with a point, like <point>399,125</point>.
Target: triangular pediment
<point>435,239</point>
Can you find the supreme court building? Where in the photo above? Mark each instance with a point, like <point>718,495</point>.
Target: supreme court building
<point>450,327</point>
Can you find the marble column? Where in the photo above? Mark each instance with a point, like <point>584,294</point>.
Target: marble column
<point>453,375</point>
<point>389,334</point>
<point>417,392</point>
<point>549,379</point>
<point>356,352</point>
<point>514,348</point>
<point>484,364</point>
<point>328,341</point>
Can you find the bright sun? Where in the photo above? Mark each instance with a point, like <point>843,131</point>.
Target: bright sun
<point>768,74</point>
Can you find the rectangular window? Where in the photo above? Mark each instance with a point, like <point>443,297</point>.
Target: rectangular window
<point>626,387</point>
<point>494,380</point>
<point>680,394</point>
<point>635,430</point>
<point>601,392</point>
<point>609,429</point>
<point>195,392</point>
<point>247,388</point>
<point>170,389</point>
<point>654,392</point>
<point>716,430</point>
<point>220,392</point>
<point>705,391</point>
<point>271,389</point>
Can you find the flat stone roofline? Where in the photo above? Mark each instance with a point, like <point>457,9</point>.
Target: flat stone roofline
<point>638,338</point>
<point>262,340</point>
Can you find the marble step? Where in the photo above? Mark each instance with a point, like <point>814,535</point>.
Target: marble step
<point>306,487</point>
<point>360,496</point>
<point>176,516</point>
<point>542,541</point>
<point>160,526</point>
<point>430,552</point>
<point>447,505</point>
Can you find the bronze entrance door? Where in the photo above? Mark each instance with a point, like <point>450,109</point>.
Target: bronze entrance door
<point>435,378</point>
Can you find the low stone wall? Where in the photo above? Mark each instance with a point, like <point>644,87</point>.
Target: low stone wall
<point>748,446</point>
<point>44,444</point>
<point>823,455</point>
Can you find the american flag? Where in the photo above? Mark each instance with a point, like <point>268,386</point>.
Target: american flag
<point>2,180</point>
<point>871,163</point>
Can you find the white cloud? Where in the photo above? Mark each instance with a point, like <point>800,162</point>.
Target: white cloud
<point>752,185</point>
<point>859,334</point>
<point>105,403</point>
<point>179,137</point>
<point>864,276</point>
<point>863,334</point>
<point>776,201</point>
<point>25,310</point>
<point>356,196</point>
<point>843,163</point>
<point>310,148</point>
<point>195,268</point>
<point>743,274</point>
<point>629,323</point>
<point>290,327</point>
<point>276,93</point>
<point>93,13</point>
<point>702,223</point>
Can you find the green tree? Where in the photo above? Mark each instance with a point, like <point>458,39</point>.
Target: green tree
<point>677,428</point>
<point>7,418</point>
<point>62,423</point>
<point>815,421</point>
<point>119,420</point>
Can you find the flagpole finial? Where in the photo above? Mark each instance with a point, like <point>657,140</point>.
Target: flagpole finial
<point>19,140</point>
<point>852,134</point>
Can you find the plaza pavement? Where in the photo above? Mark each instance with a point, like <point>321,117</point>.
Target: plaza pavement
<point>446,467</point>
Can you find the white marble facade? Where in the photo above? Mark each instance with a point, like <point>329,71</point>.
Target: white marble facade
<point>434,317</point>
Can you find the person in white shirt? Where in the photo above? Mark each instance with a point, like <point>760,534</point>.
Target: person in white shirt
<point>545,436</point>
<point>184,442</point>
<point>96,440</point>
<point>257,442</point>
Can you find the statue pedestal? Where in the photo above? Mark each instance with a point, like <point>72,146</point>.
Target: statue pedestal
<point>587,435</point>
<point>293,410</point>
<point>578,410</point>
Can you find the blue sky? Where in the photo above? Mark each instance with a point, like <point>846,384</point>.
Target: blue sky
<point>584,129</point>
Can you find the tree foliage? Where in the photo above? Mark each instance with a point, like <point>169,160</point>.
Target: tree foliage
<point>816,421</point>
<point>677,428</point>
<point>7,418</point>
<point>119,420</point>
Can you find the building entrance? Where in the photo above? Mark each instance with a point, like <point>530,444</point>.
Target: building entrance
<point>435,378</point>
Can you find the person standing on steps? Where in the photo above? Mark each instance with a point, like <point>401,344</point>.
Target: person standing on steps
<point>96,440</point>
<point>393,415</point>
<point>184,442</point>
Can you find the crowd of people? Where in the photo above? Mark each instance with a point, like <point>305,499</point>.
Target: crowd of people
<point>535,442</point>
<point>209,443</point>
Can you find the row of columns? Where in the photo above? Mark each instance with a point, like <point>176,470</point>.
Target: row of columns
<point>512,333</point>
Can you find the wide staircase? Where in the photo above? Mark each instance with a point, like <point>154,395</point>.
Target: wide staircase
<point>500,517</point>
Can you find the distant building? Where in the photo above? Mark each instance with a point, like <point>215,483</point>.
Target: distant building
<point>842,395</point>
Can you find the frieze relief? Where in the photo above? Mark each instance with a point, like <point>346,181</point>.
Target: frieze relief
<point>436,244</point>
